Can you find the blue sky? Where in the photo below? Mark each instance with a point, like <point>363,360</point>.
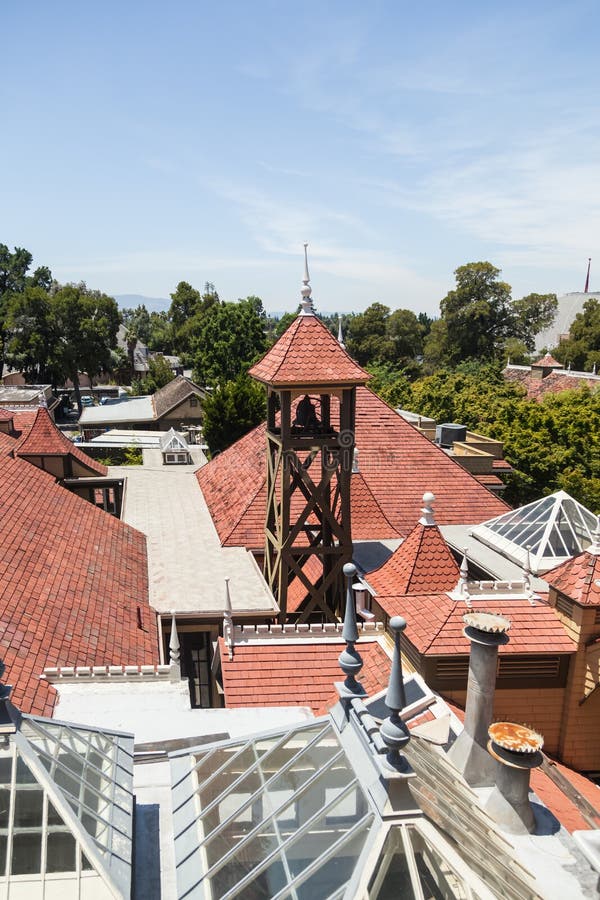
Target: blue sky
<point>146,143</point>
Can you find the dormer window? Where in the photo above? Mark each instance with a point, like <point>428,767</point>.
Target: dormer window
<point>363,601</point>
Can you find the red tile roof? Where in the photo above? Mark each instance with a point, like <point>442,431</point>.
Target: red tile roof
<point>6,414</point>
<point>23,420</point>
<point>578,578</point>
<point>423,562</point>
<point>397,465</point>
<point>308,354</point>
<point>300,674</point>
<point>435,624</point>
<point>554,383</point>
<point>547,362</point>
<point>45,439</point>
<point>367,516</point>
<point>72,579</point>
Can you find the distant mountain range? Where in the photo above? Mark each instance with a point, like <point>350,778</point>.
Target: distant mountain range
<point>152,304</point>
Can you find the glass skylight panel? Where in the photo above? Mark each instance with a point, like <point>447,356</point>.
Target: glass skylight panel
<point>277,812</point>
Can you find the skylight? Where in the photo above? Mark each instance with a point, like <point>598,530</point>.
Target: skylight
<point>554,529</point>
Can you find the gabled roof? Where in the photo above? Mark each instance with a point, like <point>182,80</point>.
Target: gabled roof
<point>174,393</point>
<point>554,528</point>
<point>579,578</point>
<point>171,440</point>
<point>423,562</point>
<point>296,674</point>
<point>435,624</point>
<point>72,580</point>
<point>307,353</point>
<point>368,518</point>
<point>548,362</point>
<point>45,439</point>
<point>397,465</point>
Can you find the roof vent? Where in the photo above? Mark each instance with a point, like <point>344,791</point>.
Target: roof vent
<point>517,750</point>
<point>449,432</point>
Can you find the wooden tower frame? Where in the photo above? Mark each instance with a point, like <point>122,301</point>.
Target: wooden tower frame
<point>309,472</point>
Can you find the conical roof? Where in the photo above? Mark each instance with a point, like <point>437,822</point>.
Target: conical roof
<point>423,563</point>
<point>308,354</point>
<point>548,362</point>
<point>554,529</point>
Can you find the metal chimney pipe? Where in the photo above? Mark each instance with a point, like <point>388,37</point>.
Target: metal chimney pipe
<point>517,750</point>
<point>487,632</point>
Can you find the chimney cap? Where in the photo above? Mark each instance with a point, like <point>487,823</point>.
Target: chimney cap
<point>516,738</point>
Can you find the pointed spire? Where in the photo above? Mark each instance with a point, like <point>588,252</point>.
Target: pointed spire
<point>527,576</point>
<point>174,651</point>
<point>394,732</point>
<point>228,621</point>
<point>594,547</point>
<point>306,302</point>
<point>594,369</point>
<point>461,591</point>
<point>340,335</point>
<point>587,277</point>
<point>569,366</point>
<point>427,509</point>
<point>350,659</point>
<point>355,465</point>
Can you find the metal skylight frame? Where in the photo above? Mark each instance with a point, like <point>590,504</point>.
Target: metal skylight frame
<point>189,849</point>
<point>555,528</point>
<point>40,742</point>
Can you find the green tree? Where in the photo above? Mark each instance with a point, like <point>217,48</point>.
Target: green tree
<point>230,337</point>
<point>233,409</point>
<point>138,320</point>
<point>477,317</point>
<point>14,267</point>
<point>30,335</point>
<point>159,375</point>
<point>367,339</point>
<point>532,314</point>
<point>85,324</point>
<point>582,349</point>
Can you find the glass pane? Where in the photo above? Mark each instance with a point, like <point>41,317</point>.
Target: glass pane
<point>250,853</point>
<point>396,881</point>
<point>61,852</point>
<point>5,769</point>
<point>335,871</point>
<point>67,782</point>
<point>321,835</point>
<point>24,775</point>
<point>4,807</point>
<point>3,841</point>
<point>53,817</point>
<point>225,779</point>
<point>264,886</point>
<point>28,808</point>
<point>85,863</point>
<point>26,854</point>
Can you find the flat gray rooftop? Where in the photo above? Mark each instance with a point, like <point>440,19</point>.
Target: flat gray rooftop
<point>187,565</point>
<point>137,409</point>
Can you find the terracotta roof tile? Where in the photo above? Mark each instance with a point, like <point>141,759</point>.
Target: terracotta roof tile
<point>578,578</point>
<point>296,674</point>
<point>72,579</point>
<point>435,624</point>
<point>553,383</point>
<point>548,361</point>
<point>397,465</point>
<point>307,353</point>
<point>423,562</point>
<point>6,415</point>
<point>45,439</point>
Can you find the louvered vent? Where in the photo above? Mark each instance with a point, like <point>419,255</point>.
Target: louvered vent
<point>452,667</point>
<point>564,605</point>
<point>528,667</point>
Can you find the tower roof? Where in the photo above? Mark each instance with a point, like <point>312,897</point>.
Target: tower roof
<point>308,354</point>
<point>422,563</point>
<point>579,578</point>
<point>548,362</point>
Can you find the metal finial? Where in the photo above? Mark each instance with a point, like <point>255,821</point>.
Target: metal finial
<point>228,621</point>
<point>427,510</point>
<point>306,302</point>
<point>355,464</point>
<point>350,659</point>
<point>569,366</point>
<point>340,335</point>
<point>393,730</point>
<point>174,650</point>
<point>594,369</point>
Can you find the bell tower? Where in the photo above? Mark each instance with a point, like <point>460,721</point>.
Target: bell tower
<point>311,397</point>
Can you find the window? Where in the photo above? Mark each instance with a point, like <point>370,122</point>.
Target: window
<point>193,401</point>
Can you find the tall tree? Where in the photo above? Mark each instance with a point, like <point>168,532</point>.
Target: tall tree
<point>477,316</point>
<point>13,280</point>
<point>86,323</point>
<point>233,409</point>
<point>30,336</point>
<point>533,313</point>
<point>582,349</point>
<point>229,338</point>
